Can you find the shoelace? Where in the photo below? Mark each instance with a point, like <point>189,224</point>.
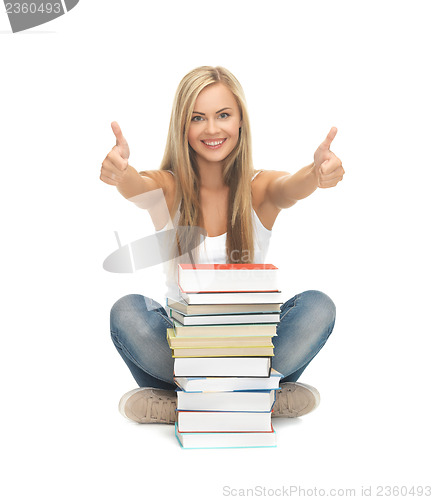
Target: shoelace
<point>285,403</point>
<point>160,410</point>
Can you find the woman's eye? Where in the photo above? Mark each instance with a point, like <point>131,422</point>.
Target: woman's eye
<point>196,118</point>
<point>224,115</point>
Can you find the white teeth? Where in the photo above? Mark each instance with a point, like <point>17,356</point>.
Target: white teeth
<point>215,143</point>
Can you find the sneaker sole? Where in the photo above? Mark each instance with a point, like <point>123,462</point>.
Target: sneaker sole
<point>300,399</point>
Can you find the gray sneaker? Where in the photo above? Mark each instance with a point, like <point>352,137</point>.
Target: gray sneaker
<point>147,405</point>
<point>294,399</point>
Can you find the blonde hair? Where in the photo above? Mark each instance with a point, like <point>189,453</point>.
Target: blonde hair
<point>238,170</point>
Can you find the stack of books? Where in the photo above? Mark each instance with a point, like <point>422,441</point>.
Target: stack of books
<point>224,320</point>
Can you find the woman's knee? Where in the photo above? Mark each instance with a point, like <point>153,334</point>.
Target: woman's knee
<point>135,318</point>
<point>321,307</point>
<point>129,311</point>
<point>125,305</point>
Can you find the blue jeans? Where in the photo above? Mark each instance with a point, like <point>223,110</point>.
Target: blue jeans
<point>139,325</point>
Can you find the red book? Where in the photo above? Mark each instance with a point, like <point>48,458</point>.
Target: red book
<point>211,278</point>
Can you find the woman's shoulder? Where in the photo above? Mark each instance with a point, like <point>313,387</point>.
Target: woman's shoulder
<point>162,179</point>
<point>258,186</point>
<point>262,178</point>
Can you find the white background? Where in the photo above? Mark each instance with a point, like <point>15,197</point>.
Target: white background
<point>364,67</point>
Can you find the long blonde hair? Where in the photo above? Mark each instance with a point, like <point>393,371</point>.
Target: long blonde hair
<point>238,170</point>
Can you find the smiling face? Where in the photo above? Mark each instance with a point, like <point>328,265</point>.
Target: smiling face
<point>215,123</point>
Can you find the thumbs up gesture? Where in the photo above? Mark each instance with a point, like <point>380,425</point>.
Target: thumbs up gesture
<point>114,167</point>
<point>328,167</point>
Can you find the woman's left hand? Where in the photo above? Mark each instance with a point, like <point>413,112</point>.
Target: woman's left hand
<point>328,167</point>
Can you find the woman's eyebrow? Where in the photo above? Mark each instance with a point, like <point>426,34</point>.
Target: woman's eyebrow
<point>219,111</point>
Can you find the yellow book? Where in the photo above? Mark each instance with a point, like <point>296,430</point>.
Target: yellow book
<point>255,341</point>
<point>242,330</point>
<point>211,352</point>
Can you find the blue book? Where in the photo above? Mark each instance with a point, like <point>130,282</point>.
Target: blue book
<point>194,440</point>
<point>212,384</point>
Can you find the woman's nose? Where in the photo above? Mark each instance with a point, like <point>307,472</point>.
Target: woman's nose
<point>211,127</point>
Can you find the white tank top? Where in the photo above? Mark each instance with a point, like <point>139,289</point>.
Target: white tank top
<point>213,250</point>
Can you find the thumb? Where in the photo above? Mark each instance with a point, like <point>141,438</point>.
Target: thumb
<point>326,144</point>
<point>120,140</point>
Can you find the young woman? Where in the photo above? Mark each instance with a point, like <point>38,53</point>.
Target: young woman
<point>207,180</point>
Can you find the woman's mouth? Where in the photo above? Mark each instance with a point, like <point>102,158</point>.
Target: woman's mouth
<point>214,143</point>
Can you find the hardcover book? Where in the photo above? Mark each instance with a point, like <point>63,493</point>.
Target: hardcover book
<point>223,421</point>
<point>224,319</point>
<point>232,298</point>
<point>204,384</point>
<point>180,305</point>
<point>204,352</point>
<point>194,440</point>
<point>252,401</point>
<point>253,341</point>
<point>246,329</point>
<point>223,367</point>
<point>199,278</point>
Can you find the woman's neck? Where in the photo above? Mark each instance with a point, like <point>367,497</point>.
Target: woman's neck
<point>211,175</point>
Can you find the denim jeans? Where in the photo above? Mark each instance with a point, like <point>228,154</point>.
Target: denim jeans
<point>139,325</point>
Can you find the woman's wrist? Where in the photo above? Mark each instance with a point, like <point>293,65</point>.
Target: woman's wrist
<point>314,173</point>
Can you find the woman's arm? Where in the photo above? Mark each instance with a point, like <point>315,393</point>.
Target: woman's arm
<point>283,189</point>
<point>133,184</point>
<point>116,171</point>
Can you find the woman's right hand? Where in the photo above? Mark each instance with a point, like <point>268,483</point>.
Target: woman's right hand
<point>114,167</point>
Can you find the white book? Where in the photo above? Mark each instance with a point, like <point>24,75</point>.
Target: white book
<point>183,307</point>
<point>205,384</point>
<point>223,421</point>
<point>191,440</point>
<point>227,278</point>
<point>223,367</point>
<point>224,319</point>
<point>226,401</point>
<point>232,298</point>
